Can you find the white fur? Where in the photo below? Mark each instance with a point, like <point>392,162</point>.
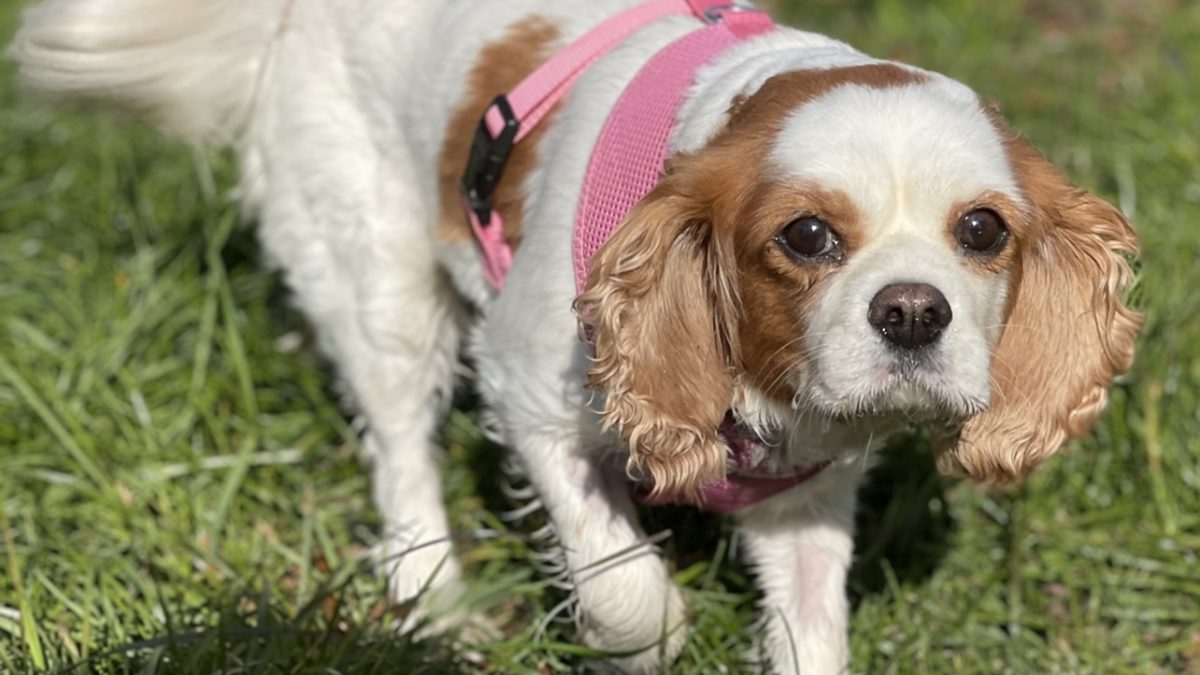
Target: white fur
<point>338,111</point>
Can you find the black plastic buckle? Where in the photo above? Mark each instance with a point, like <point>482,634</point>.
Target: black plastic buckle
<point>486,163</point>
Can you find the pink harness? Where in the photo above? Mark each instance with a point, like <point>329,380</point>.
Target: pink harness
<point>625,166</point>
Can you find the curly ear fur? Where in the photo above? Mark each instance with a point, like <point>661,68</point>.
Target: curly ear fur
<point>1067,334</point>
<point>661,312</point>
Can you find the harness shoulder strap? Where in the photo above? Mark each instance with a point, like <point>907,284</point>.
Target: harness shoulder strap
<point>512,116</point>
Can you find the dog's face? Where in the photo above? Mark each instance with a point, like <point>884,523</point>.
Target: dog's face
<point>898,223</point>
<point>862,243</point>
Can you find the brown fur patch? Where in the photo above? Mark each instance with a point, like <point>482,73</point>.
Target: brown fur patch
<point>783,93</point>
<point>500,67</point>
<point>1068,330</point>
<point>691,292</point>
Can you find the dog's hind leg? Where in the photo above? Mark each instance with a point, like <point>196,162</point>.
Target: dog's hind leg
<point>394,331</point>
<point>350,228</point>
<point>391,323</point>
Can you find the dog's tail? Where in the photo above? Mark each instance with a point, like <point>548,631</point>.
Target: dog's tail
<point>192,66</point>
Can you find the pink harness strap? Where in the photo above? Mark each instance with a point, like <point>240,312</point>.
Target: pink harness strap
<point>533,97</point>
<point>510,118</point>
<point>625,165</point>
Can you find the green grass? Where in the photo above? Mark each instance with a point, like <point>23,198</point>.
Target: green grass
<point>179,490</point>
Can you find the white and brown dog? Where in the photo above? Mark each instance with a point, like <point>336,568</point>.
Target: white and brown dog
<point>837,246</point>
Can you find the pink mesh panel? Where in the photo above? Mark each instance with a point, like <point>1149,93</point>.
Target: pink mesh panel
<point>628,158</point>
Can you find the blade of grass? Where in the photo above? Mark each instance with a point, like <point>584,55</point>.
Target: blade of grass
<point>29,632</point>
<point>241,365</point>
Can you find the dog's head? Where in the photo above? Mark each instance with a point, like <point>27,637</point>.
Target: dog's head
<point>862,243</point>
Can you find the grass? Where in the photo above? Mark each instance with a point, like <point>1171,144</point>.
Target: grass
<point>179,490</point>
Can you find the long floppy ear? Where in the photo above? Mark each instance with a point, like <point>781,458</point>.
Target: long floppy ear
<point>1067,334</point>
<point>661,311</point>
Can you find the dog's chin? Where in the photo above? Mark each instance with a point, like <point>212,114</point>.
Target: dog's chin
<point>913,397</point>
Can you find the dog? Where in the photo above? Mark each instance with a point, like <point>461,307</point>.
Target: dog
<point>837,247</point>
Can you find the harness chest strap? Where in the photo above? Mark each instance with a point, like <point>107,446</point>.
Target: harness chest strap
<point>624,167</point>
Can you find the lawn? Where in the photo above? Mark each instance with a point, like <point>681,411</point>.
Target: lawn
<point>179,489</point>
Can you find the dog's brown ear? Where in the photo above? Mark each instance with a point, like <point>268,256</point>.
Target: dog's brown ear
<point>660,308</point>
<point>1068,332</point>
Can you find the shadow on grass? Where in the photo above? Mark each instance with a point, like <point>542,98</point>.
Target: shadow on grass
<point>903,528</point>
<point>265,640</point>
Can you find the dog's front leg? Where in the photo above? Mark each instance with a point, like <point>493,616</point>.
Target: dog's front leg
<point>800,544</point>
<point>627,600</point>
<point>531,369</point>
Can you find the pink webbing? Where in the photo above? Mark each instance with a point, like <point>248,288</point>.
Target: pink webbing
<point>497,254</point>
<point>537,93</point>
<point>533,98</point>
<point>734,493</point>
<point>628,159</point>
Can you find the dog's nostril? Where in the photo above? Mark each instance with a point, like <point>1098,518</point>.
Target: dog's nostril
<point>910,315</point>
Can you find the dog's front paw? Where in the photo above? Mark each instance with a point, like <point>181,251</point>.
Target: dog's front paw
<point>643,632</point>
<point>445,610</point>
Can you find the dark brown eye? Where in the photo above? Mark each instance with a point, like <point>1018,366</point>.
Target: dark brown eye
<point>810,237</point>
<point>981,231</point>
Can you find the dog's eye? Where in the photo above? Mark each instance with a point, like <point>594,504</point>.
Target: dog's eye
<point>810,237</point>
<point>981,231</point>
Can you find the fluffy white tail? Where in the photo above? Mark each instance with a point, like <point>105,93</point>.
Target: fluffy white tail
<point>192,66</point>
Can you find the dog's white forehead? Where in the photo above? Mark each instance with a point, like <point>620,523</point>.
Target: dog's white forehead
<point>904,154</point>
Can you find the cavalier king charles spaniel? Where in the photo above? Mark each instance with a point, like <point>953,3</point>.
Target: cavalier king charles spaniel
<point>838,247</point>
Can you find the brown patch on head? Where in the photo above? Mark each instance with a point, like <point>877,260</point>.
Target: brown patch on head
<point>1068,332</point>
<point>783,93</point>
<point>500,67</point>
<point>692,294</point>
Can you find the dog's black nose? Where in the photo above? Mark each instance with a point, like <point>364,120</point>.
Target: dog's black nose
<point>910,315</point>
